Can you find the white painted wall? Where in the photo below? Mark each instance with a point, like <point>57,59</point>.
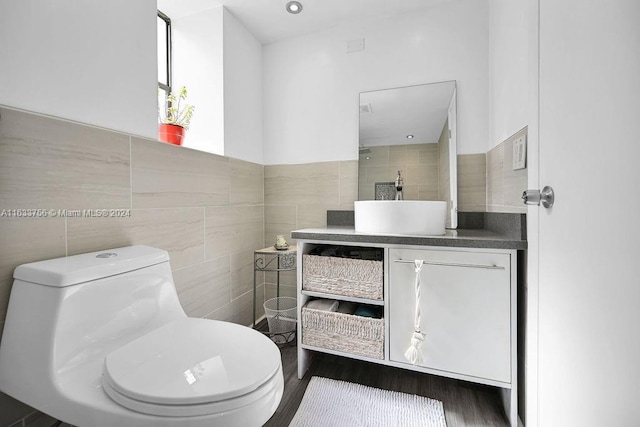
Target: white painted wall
<point>311,85</point>
<point>242,92</point>
<point>509,69</point>
<point>83,61</point>
<point>198,65</point>
<point>220,63</point>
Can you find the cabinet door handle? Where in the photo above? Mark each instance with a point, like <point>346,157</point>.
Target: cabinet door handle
<point>452,264</point>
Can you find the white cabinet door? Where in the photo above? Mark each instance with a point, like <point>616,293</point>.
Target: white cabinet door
<point>465,311</point>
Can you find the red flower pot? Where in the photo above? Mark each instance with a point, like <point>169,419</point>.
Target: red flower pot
<point>173,134</point>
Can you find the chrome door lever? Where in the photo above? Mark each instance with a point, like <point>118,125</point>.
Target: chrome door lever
<point>535,197</point>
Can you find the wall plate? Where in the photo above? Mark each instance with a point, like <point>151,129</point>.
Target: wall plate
<point>355,45</point>
<point>520,152</point>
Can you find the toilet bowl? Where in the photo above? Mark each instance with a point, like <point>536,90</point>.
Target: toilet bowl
<point>100,339</point>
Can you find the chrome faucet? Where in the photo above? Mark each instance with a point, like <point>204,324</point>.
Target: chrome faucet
<point>399,182</point>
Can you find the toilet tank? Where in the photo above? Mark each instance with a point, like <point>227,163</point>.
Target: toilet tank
<point>68,311</point>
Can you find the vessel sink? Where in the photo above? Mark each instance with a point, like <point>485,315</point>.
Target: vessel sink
<point>401,217</point>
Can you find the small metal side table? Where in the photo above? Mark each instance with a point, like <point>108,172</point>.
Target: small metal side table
<point>272,259</point>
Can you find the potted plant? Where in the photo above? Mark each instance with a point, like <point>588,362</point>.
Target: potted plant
<point>175,119</point>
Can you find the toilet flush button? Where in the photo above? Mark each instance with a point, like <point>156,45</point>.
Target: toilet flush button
<point>107,255</point>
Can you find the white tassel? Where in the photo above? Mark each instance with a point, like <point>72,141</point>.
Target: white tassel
<point>414,353</point>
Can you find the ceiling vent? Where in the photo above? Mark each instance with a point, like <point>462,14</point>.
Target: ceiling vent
<point>365,108</point>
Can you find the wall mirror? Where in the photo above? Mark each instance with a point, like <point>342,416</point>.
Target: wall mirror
<point>412,130</point>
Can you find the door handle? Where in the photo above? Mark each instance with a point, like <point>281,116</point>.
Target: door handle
<point>535,197</point>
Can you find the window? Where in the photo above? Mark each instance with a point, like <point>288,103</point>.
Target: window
<point>164,59</point>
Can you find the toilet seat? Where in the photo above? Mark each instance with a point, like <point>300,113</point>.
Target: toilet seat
<point>192,367</point>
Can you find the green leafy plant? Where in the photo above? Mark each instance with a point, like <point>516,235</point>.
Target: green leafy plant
<point>177,111</point>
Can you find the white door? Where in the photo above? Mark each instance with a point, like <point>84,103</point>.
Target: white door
<point>587,246</point>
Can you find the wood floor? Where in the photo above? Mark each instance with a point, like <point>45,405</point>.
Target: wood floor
<point>465,404</point>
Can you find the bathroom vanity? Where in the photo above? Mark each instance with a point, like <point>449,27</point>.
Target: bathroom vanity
<point>468,304</point>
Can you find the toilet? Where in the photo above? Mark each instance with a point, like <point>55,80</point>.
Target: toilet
<point>100,339</point>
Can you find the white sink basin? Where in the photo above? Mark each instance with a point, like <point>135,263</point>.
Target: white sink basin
<point>403,217</point>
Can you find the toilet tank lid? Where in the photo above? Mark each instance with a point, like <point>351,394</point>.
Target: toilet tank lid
<point>75,269</point>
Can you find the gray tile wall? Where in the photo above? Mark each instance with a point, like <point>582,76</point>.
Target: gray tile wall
<point>504,185</point>
<point>298,196</point>
<point>417,163</point>
<point>488,183</point>
<point>206,210</point>
<point>472,182</point>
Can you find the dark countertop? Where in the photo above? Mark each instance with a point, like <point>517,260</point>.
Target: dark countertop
<point>461,238</point>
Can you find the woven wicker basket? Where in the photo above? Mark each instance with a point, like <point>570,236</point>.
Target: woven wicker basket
<point>363,336</point>
<point>343,276</point>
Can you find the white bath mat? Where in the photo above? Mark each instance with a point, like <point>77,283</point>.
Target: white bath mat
<point>331,403</point>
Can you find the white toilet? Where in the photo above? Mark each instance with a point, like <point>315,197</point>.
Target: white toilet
<point>100,339</point>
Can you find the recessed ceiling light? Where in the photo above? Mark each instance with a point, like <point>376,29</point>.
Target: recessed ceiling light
<point>409,136</point>
<point>294,7</point>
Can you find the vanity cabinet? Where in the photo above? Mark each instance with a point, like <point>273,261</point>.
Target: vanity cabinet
<point>468,311</point>
<point>465,305</point>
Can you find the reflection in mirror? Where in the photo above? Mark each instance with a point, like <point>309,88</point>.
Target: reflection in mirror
<point>410,130</point>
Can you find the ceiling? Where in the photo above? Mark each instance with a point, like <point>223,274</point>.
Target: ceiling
<point>269,22</point>
<point>420,110</point>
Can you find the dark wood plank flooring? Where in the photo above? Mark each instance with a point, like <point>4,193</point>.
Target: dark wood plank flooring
<point>465,404</point>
